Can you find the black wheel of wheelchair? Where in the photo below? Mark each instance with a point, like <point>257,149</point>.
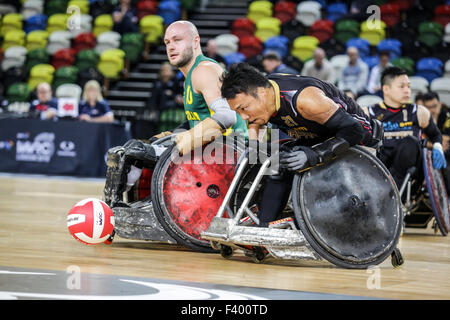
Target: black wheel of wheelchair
<point>349,209</point>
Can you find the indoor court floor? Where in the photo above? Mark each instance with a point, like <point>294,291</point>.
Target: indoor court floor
<point>39,259</point>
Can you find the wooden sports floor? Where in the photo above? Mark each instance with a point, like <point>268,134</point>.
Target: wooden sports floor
<point>40,259</point>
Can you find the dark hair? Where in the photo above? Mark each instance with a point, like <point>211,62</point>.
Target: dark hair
<point>419,96</point>
<point>242,78</point>
<point>390,73</point>
<point>384,53</point>
<point>272,55</point>
<point>430,95</point>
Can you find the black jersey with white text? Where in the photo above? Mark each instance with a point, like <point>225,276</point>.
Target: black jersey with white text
<point>288,119</point>
<point>397,122</point>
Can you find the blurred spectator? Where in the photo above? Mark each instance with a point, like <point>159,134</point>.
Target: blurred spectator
<point>93,107</point>
<point>319,67</point>
<point>125,18</point>
<point>439,112</point>
<point>45,106</point>
<point>166,93</point>
<point>354,76</point>
<point>272,63</point>
<point>419,98</point>
<point>374,85</point>
<point>211,52</point>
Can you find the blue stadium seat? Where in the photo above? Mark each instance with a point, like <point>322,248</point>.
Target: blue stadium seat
<point>394,47</point>
<point>429,68</point>
<point>362,45</point>
<point>170,11</point>
<point>371,61</point>
<point>335,11</point>
<point>279,44</point>
<point>234,57</point>
<point>36,22</point>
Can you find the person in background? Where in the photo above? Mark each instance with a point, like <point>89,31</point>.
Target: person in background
<point>93,108</point>
<point>418,99</point>
<point>272,63</point>
<point>125,18</point>
<point>45,106</point>
<point>211,52</point>
<point>167,92</point>
<point>374,85</point>
<point>354,76</point>
<point>319,67</point>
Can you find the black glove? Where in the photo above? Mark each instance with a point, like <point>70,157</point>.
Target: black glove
<point>298,158</point>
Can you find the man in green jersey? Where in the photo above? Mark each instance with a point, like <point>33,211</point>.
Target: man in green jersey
<point>208,114</point>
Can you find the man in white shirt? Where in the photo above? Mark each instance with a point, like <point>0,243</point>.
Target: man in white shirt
<point>354,75</point>
<point>374,85</point>
<point>319,67</point>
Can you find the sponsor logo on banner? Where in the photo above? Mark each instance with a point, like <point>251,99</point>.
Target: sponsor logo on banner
<point>40,149</point>
<point>66,149</point>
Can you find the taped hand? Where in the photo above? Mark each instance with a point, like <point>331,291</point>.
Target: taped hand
<point>438,157</point>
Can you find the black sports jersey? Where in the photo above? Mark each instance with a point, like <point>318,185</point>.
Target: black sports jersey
<point>397,122</point>
<point>287,118</point>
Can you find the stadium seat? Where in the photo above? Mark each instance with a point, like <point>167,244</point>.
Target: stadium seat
<point>58,40</point>
<point>37,39</point>
<point>226,44</point>
<point>250,46</point>
<point>133,46</point>
<point>362,45</point>
<point>429,68</point>
<point>36,22</point>
<point>65,74</point>
<point>152,27</point>
<point>242,27</point>
<point>335,11</point>
<point>279,44</point>
<point>35,57</point>
<point>418,84</point>
<point>447,33</point>
<point>146,7</point>
<point>57,22</point>
<point>55,7</point>
<point>83,5</point>
<point>292,29</point>
<point>442,15</point>
<point>170,11</point>
<point>447,69</point>
<point>11,22</point>
<point>405,63</point>
<point>442,87</point>
<point>68,90</point>
<point>267,27</point>
<point>63,57</point>
<point>390,14</point>
<point>368,100</point>
<point>107,40</point>
<point>322,30</point>
<point>259,9</point>
<point>394,47</point>
<point>403,5</point>
<point>284,11</point>
<point>303,47</point>
<point>87,59</point>
<point>31,8</point>
<point>430,33</point>
<point>371,61</point>
<point>14,56</point>
<point>40,73</point>
<point>84,41</point>
<point>13,38</point>
<point>85,25</point>
<point>373,31</point>
<point>102,23</point>
<point>18,92</point>
<point>234,57</point>
<point>111,63</point>
<point>308,12</point>
<point>346,29</point>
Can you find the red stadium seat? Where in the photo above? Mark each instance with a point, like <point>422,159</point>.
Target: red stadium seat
<point>322,30</point>
<point>250,46</point>
<point>390,14</point>
<point>442,14</point>
<point>403,5</point>
<point>84,41</point>
<point>64,57</point>
<point>146,7</point>
<point>242,27</point>
<point>285,11</point>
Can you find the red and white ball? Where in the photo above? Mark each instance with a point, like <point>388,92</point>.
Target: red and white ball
<point>90,221</point>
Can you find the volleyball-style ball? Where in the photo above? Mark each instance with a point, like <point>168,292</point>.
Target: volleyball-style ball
<point>91,221</point>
